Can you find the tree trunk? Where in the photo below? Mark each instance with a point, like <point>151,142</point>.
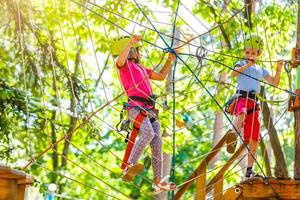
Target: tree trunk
<point>265,156</point>
<point>73,119</point>
<point>280,164</point>
<point>219,123</point>
<point>248,11</point>
<point>53,135</point>
<point>53,140</point>
<point>297,144</point>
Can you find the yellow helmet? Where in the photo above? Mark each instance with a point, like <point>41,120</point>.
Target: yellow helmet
<point>254,41</point>
<point>119,43</point>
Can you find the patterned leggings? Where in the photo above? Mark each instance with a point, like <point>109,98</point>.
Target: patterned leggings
<point>150,134</point>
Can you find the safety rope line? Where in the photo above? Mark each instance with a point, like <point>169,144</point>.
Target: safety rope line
<point>194,159</point>
<point>92,174</point>
<point>120,159</point>
<point>266,83</point>
<point>21,40</point>
<point>70,133</point>
<point>99,164</point>
<point>157,32</point>
<point>199,175</point>
<point>174,101</point>
<point>194,16</point>
<point>76,181</point>
<point>184,42</point>
<point>203,135</point>
<point>283,113</point>
<point>79,56</point>
<point>41,83</point>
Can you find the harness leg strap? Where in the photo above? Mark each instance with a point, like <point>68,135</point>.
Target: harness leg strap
<point>136,127</point>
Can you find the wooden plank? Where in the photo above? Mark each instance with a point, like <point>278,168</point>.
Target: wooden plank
<point>201,184</point>
<point>218,189</point>
<point>21,192</point>
<point>4,191</point>
<point>13,190</point>
<point>232,193</point>
<point>225,167</point>
<point>27,181</point>
<point>8,173</point>
<point>205,162</point>
<point>257,188</point>
<point>13,183</point>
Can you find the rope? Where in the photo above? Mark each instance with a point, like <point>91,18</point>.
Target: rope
<point>76,181</point>
<point>93,175</point>
<point>232,69</point>
<point>174,100</point>
<point>21,40</point>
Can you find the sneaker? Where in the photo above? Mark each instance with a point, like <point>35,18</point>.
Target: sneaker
<point>231,141</point>
<point>131,171</point>
<point>252,174</point>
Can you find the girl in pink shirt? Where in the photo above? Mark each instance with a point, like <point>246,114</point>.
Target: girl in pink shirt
<point>135,79</point>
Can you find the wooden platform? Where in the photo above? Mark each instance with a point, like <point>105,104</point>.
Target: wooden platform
<point>13,183</point>
<point>271,189</point>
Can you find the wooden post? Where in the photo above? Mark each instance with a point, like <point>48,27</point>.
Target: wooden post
<point>224,168</point>
<point>297,110</point>
<point>13,183</point>
<point>201,184</point>
<point>218,188</point>
<point>206,161</point>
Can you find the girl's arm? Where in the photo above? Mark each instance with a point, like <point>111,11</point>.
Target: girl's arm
<point>161,75</point>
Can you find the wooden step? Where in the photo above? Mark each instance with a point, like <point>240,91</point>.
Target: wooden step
<point>257,189</point>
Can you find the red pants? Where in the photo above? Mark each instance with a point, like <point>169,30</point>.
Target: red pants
<point>251,123</point>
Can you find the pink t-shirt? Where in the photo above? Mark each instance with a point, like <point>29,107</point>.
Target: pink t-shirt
<point>135,80</point>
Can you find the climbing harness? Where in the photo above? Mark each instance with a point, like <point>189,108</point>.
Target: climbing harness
<point>136,128</point>
<point>230,105</point>
<point>201,53</point>
<point>124,124</point>
<point>147,101</point>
